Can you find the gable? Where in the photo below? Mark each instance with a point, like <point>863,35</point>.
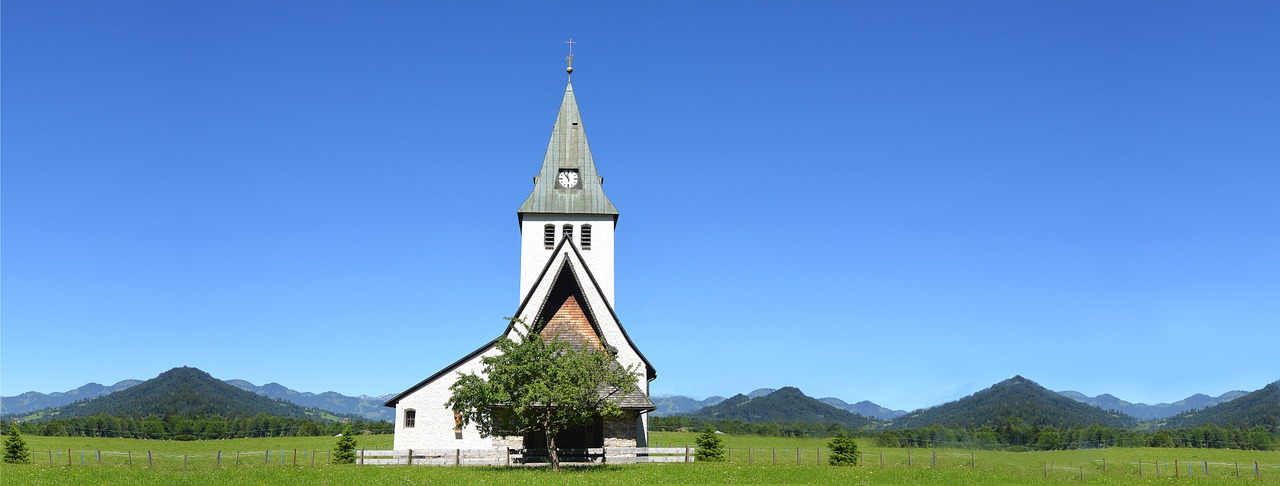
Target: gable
<point>555,287</point>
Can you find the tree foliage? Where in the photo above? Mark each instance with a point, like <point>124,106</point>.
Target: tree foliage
<point>15,449</point>
<point>539,386</point>
<point>345,451</point>
<point>710,447</point>
<point>844,450</point>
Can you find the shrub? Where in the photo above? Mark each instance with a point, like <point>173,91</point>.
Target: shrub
<point>710,447</point>
<point>844,451</point>
<point>345,452</point>
<point>15,449</point>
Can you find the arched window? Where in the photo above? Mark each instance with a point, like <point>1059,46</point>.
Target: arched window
<point>585,237</point>
<point>549,236</point>
<point>568,231</point>
<point>410,416</point>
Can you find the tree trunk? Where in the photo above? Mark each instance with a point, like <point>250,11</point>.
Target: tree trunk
<point>551,449</point>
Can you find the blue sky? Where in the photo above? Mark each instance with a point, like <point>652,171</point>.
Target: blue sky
<point>895,202</point>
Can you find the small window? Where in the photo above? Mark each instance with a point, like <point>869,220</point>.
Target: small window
<point>586,237</point>
<point>568,231</point>
<point>549,236</point>
<point>410,416</point>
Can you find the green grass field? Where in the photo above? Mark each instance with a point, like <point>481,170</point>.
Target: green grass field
<point>752,462</point>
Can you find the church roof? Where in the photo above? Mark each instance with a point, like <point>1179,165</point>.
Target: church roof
<point>568,150</point>
<point>570,263</point>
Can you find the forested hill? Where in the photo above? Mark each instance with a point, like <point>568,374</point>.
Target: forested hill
<point>1260,408</point>
<point>786,405</point>
<point>184,392</point>
<point>1014,399</point>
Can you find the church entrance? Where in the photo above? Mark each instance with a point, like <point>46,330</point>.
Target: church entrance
<point>586,437</point>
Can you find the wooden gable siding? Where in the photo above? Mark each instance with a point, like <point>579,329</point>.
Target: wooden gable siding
<point>570,324</point>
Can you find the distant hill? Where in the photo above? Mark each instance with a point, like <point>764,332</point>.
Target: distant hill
<point>669,405</point>
<point>1143,411</point>
<point>184,392</point>
<point>1261,407</point>
<point>1016,398</point>
<point>864,408</point>
<point>31,401</point>
<point>785,405</point>
<point>760,392</point>
<point>369,408</point>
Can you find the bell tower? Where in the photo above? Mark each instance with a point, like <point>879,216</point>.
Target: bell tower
<point>567,202</point>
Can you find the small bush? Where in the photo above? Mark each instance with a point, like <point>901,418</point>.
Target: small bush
<point>184,437</point>
<point>844,451</point>
<point>710,447</point>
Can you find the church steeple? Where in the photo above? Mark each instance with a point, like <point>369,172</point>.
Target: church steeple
<point>568,182</point>
<point>567,203</point>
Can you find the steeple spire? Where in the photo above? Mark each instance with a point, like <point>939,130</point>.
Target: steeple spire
<point>568,182</point>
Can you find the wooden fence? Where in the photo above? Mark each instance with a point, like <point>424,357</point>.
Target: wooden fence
<point>524,457</point>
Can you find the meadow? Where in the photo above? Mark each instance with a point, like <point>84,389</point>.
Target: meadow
<point>752,462</point>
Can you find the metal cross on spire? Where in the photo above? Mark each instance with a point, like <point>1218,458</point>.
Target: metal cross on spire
<point>570,58</point>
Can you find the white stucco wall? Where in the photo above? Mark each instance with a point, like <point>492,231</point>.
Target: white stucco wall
<point>433,428</point>
<point>534,255</point>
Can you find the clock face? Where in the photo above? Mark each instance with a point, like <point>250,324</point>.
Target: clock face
<point>568,179</point>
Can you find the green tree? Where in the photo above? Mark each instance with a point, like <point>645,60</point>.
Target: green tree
<point>345,451</point>
<point>710,447</point>
<point>844,451</point>
<point>536,386</point>
<point>15,449</point>
<point>1260,439</point>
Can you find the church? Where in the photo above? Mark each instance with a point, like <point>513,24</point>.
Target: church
<point>566,285</point>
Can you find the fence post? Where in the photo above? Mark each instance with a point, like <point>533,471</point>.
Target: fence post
<point>1157,469</point>
<point>1082,473</point>
<point>1044,469</point>
<point>457,457</point>
<point>1237,469</point>
<point>686,453</point>
<point>908,457</point>
<point>1256,474</point>
<point>99,451</point>
<point>1139,468</point>
<point>508,456</point>
<point>934,460</point>
<point>184,460</point>
<point>295,457</point>
<point>972,462</point>
<point>797,454</point>
<point>219,460</point>
<point>409,460</point>
<point>51,458</point>
<point>1204,467</point>
<point>266,459</point>
<point>237,458</point>
<point>361,456</point>
<point>313,457</point>
<point>751,451</point>
<point>881,459</point>
<point>149,463</point>
<point>775,455</point>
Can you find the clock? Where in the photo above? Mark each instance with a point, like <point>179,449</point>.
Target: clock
<point>568,179</point>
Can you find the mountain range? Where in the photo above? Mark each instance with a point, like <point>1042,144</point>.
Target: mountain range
<point>366,407</point>
<point>1143,411</point>
<point>184,392</point>
<point>1015,399</point>
<point>785,405</point>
